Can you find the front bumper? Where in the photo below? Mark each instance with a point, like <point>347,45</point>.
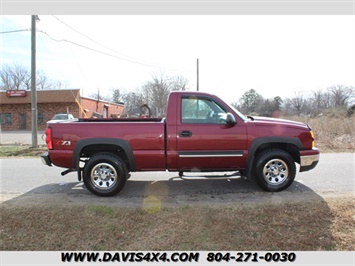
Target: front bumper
<point>309,159</point>
<point>45,159</point>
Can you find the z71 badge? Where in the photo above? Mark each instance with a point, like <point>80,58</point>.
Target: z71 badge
<point>66,142</point>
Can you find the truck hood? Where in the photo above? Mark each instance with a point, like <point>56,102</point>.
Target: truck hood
<point>268,121</point>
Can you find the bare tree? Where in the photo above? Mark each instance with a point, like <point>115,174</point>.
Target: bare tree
<point>320,101</point>
<point>317,100</point>
<point>341,95</point>
<point>153,93</point>
<point>297,103</point>
<point>160,90</point>
<point>132,102</point>
<point>17,77</point>
<point>178,83</point>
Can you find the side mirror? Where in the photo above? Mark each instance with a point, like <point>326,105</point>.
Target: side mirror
<point>230,120</point>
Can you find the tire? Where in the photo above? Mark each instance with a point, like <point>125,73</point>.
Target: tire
<point>274,170</point>
<point>105,174</point>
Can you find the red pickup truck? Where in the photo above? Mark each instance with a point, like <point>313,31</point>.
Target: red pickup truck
<point>200,133</point>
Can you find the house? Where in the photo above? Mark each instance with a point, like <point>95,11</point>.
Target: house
<point>15,107</point>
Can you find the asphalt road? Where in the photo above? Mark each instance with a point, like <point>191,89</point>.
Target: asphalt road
<point>27,180</point>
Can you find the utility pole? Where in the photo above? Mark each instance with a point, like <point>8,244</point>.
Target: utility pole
<point>197,75</point>
<point>33,83</point>
<point>98,100</point>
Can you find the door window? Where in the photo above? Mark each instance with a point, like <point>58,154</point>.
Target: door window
<point>201,111</point>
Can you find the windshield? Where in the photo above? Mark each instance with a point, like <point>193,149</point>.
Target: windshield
<point>238,113</point>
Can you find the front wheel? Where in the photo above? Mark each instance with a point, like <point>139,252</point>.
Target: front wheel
<point>105,174</point>
<point>274,170</point>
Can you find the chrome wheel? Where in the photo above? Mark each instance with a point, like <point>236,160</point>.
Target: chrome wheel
<point>104,176</point>
<point>275,172</point>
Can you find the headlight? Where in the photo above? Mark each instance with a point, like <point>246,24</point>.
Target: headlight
<point>312,135</point>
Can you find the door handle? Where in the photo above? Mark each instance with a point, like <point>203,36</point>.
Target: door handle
<point>185,133</point>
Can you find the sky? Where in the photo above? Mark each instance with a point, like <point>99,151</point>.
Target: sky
<point>274,55</point>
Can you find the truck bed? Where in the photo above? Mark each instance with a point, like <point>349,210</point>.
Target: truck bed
<point>145,136</point>
<point>130,119</point>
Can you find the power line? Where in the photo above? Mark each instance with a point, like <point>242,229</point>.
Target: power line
<point>12,31</point>
<point>104,53</point>
<point>86,36</point>
<point>130,58</point>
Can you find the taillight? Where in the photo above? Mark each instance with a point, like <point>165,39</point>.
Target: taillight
<point>49,138</point>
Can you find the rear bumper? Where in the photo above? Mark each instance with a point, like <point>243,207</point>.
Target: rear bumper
<point>309,159</point>
<point>45,159</point>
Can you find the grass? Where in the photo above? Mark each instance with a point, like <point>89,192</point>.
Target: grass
<point>332,133</point>
<point>21,150</point>
<point>286,226</point>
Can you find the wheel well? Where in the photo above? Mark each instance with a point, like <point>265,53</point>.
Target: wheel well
<point>90,150</point>
<point>289,148</point>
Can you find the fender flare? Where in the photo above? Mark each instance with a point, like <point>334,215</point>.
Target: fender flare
<point>257,142</point>
<point>120,143</point>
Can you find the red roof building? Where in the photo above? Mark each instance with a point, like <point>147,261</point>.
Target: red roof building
<point>15,107</point>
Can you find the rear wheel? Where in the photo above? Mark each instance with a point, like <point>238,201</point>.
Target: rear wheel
<point>105,174</point>
<point>274,170</point>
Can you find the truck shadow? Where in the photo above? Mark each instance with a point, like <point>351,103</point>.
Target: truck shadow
<point>228,194</point>
<point>170,191</point>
